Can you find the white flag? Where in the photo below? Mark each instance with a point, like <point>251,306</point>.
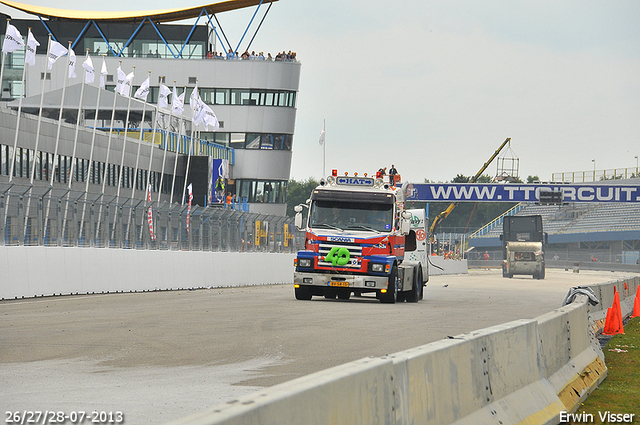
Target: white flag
<point>321,141</point>
<point>56,50</point>
<point>124,82</point>
<point>32,44</point>
<point>143,91</point>
<point>163,96</point>
<point>72,64</point>
<point>198,112</point>
<point>209,117</point>
<point>177,102</point>
<point>12,40</point>
<point>194,99</point>
<point>103,73</point>
<point>90,73</point>
<point>196,106</point>
<point>190,189</point>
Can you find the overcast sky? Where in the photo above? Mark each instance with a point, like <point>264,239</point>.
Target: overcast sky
<point>436,86</point>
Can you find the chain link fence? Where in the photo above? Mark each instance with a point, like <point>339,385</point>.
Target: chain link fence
<point>45,216</point>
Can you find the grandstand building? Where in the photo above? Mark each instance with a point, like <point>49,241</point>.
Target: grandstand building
<point>254,101</point>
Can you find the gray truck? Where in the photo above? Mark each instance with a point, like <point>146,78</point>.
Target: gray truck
<point>523,243</point>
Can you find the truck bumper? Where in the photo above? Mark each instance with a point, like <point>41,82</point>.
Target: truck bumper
<point>331,280</point>
<point>527,268</point>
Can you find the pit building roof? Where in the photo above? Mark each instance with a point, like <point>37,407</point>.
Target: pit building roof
<point>162,15</point>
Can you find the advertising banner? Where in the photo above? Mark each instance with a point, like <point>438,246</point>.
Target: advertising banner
<point>434,192</point>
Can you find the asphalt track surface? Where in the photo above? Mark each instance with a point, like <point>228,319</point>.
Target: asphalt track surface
<point>158,356</point>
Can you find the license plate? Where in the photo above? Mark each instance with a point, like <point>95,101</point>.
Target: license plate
<point>338,283</point>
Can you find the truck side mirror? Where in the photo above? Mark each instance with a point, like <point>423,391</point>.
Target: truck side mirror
<point>298,220</point>
<point>405,226</point>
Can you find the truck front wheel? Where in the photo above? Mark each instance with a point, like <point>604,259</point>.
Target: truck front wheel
<point>303,293</point>
<point>391,295</point>
<point>414,295</point>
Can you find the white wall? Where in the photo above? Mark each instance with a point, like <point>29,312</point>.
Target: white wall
<point>36,271</point>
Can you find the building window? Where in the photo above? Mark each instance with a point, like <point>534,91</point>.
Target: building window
<point>262,191</point>
<point>252,140</point>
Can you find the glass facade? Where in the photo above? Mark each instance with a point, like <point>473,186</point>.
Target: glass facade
<point>60,166</point>
<point>262,191</point>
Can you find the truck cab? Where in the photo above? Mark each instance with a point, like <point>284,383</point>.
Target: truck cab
<point>359,239</point>
<point>523,242</point>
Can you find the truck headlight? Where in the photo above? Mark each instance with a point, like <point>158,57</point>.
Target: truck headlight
<point>304,262</point>
<point>377,268</point>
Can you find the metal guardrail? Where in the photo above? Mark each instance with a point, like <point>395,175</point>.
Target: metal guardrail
<point>597,175</point>
<point>42,216</point>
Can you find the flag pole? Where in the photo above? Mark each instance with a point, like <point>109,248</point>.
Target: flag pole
<point>149,200</point>
<point>186,171</point>
<point>106,168</point>
<point>124,140</point>
<point>15,140</point>
<point>70,172</point>
<point>136,170</point>
<point>144,111</point>
<point>33,167</point>
<point>106,162</point>
<point>124,145</point>
<point>88,178</point>
<point>4,58</point>
<point>166,146</point>
<point>324,148</point>
<point>175,164</point>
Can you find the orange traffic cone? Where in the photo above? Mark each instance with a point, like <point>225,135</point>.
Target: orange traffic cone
<point>608,328</point>
<point>636,304</point>
<point>616,300</point>
<point>613,322</point>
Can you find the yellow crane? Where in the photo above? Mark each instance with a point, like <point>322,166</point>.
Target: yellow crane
<point>444,214</point>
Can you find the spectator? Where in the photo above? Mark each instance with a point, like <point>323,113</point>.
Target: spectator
<point>269,57</point>
<point>383,172</point>
<point>219,189</point>
<point>392,175</point>
<point>229,198</point>
<point>486,256</point>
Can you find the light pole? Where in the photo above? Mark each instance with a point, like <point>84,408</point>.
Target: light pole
<point>594,169</point>
<point>637,167</point>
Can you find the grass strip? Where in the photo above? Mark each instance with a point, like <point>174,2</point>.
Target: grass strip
<point>619,393</point>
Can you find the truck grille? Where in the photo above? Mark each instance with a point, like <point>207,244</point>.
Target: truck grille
<point>355,254</point>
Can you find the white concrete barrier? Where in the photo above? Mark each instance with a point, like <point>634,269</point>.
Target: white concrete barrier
<point>359,392</point>
<point>527,371</point>
<point>481,377</point>
<point>39,271</point>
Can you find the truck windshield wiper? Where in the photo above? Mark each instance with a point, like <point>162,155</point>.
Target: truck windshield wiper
<point>326,225</point>
<point>360,226</point>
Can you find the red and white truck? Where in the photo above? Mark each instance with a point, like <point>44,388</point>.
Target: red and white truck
<point>360,239</point>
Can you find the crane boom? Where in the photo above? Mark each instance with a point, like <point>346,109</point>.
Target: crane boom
<point>444,214</point>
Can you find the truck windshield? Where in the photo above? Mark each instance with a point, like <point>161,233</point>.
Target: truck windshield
<point>351,215</point>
